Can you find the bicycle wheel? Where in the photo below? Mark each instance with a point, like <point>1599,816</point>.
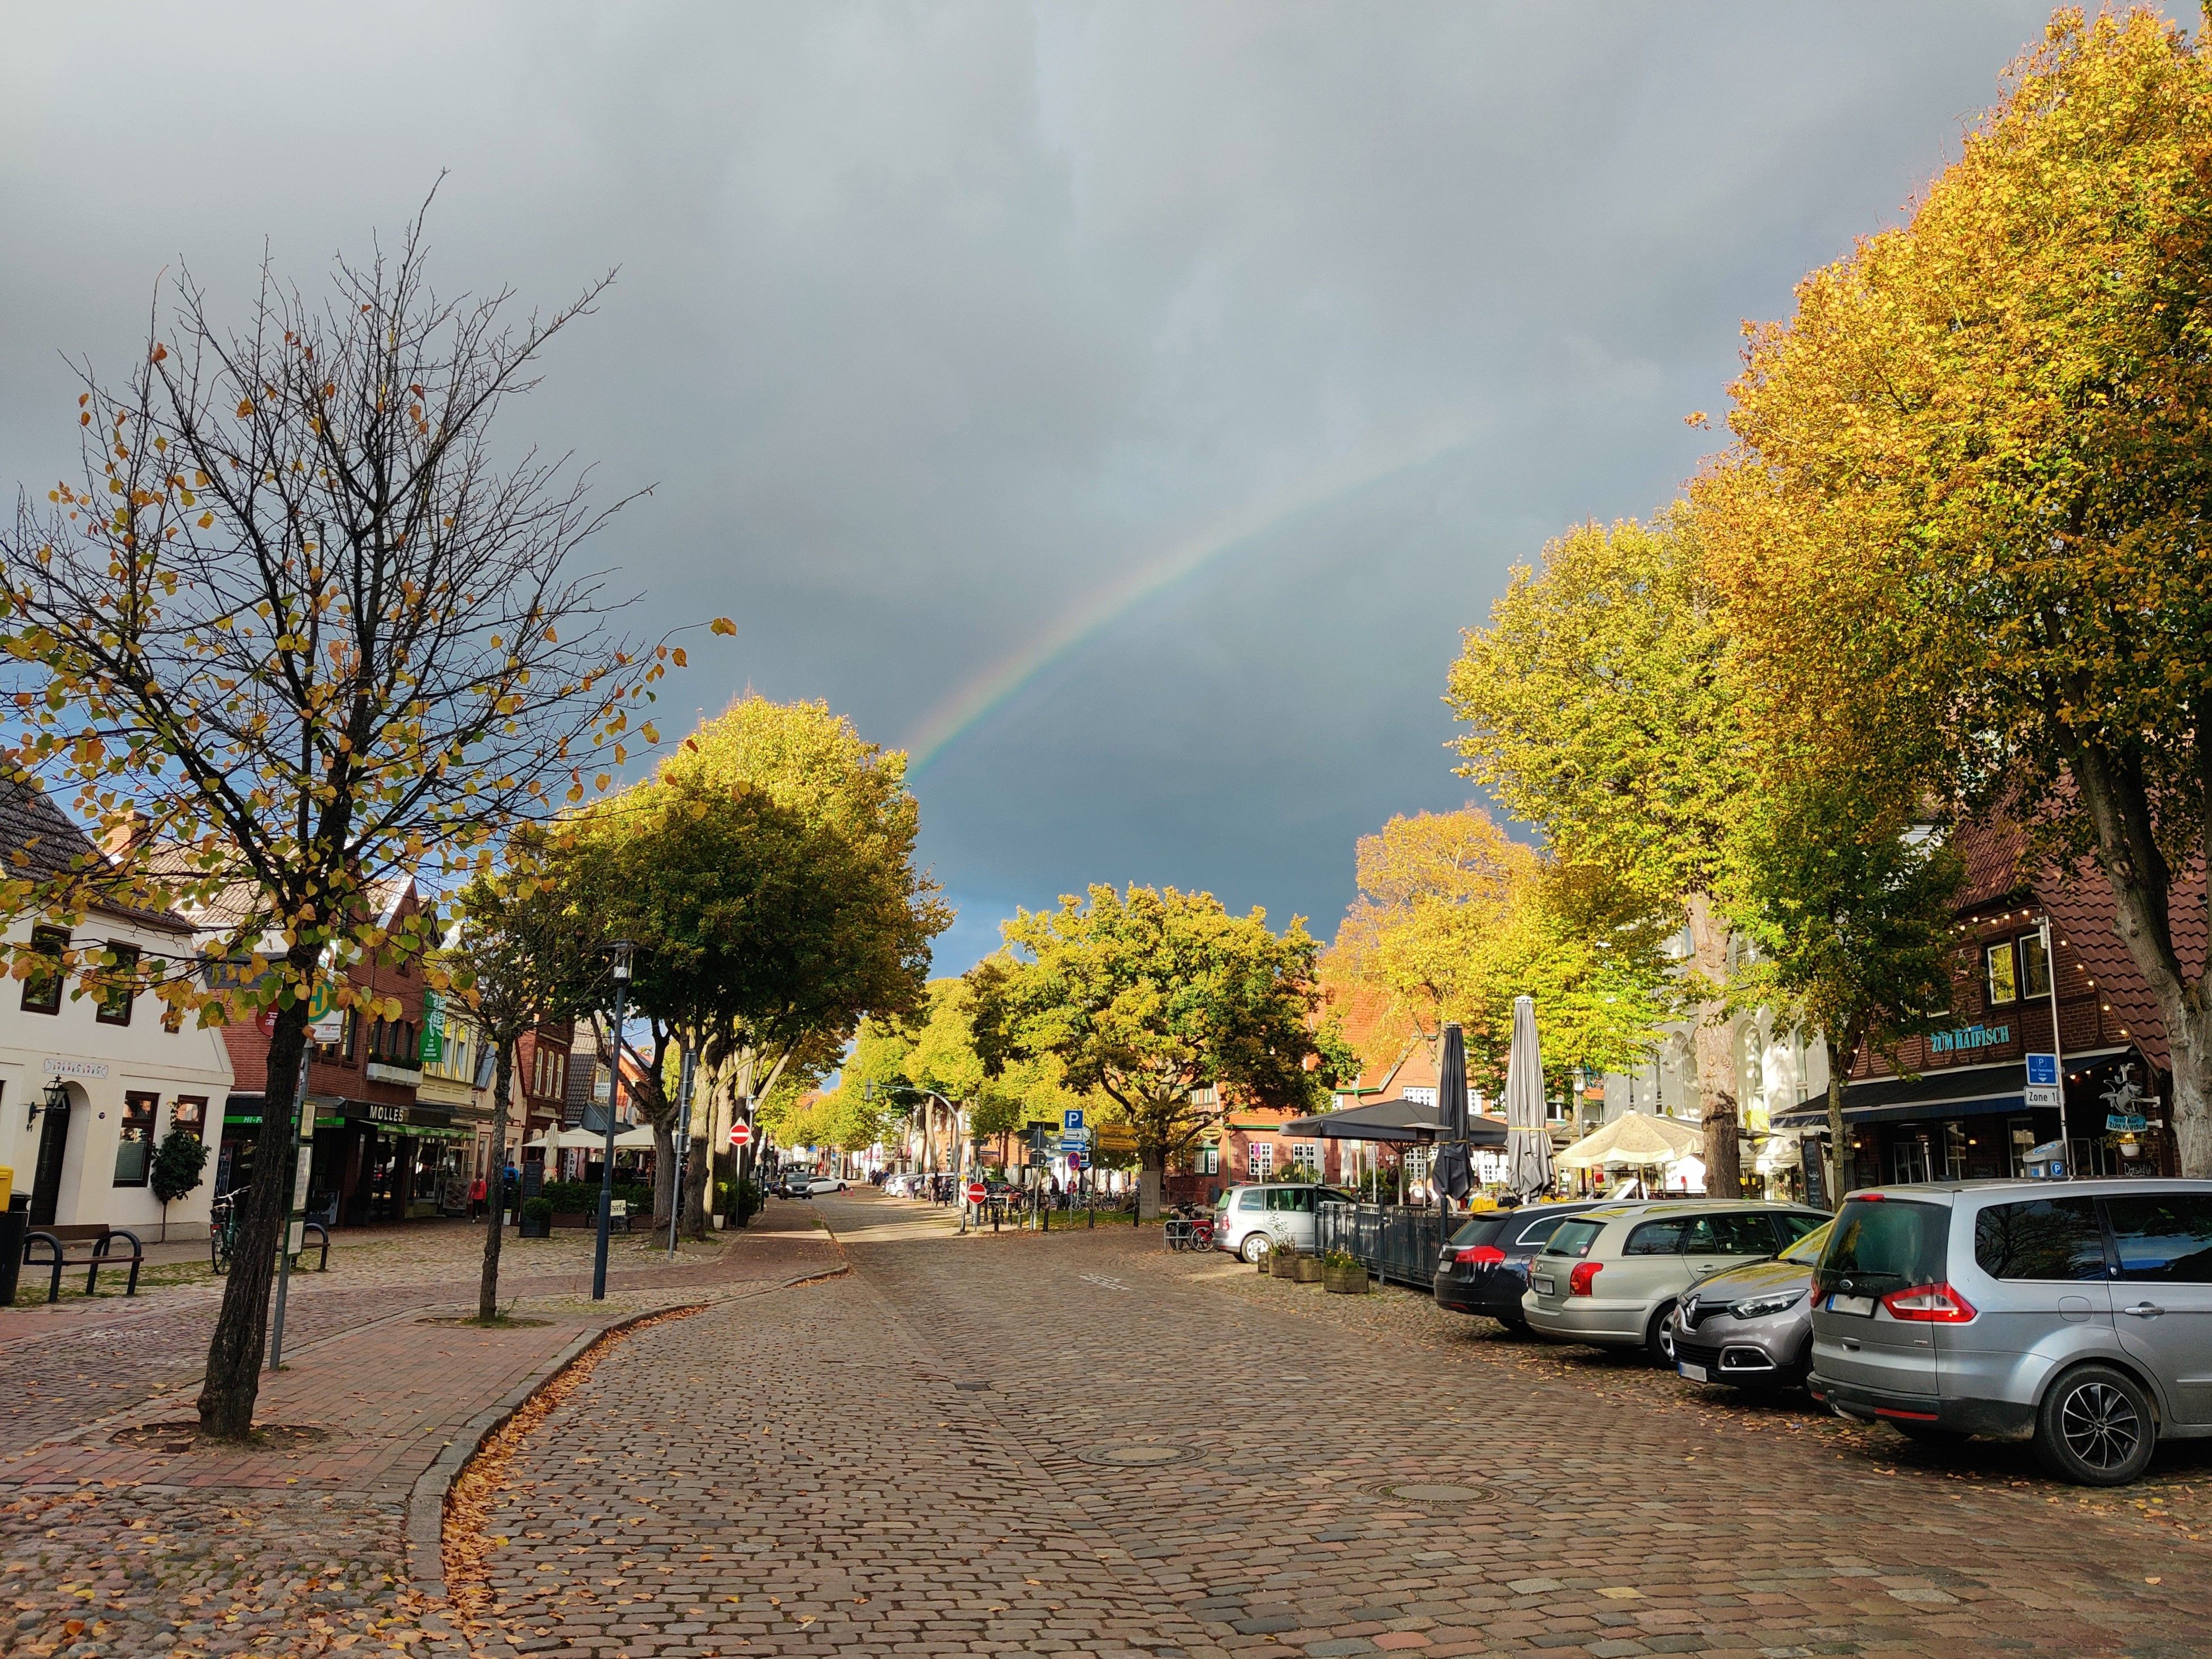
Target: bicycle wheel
<point>219,1253</point>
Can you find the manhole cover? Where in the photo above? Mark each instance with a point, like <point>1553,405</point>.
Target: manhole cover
<point>1134,1457</point>
<point>1430,1495</point>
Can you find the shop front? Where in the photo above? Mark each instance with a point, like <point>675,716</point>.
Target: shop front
<point>1976,1122</point>
<point>376,1161</point>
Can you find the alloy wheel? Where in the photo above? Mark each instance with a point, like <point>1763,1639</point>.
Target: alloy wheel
<point>2100,1424</point>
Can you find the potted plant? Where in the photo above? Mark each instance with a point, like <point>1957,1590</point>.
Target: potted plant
<point>179,1163</point>
<point>1345,1274</point>
<point>1305,1269</point>
<point>1282,1257</point>
<point>537,1217</point>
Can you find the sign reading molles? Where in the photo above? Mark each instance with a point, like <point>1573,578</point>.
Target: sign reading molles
<point>380,1113</point>
<point>1965,1039</point>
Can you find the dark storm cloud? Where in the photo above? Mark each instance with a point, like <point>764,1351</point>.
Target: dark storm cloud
<point>934,322</point>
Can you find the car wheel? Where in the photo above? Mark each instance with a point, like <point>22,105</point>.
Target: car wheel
<point>1659,1337</point>
<point>2095,1427</point>
<point>1254,1247</point>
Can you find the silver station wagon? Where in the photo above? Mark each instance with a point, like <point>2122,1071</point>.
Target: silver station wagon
<point>1609,1277</point>
<point>2077,1314</point>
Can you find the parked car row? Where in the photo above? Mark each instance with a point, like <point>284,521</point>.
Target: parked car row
<point>2076,1315</point>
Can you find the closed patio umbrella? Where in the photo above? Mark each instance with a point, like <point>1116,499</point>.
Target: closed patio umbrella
<point>1529,1143</point>
<point>1454,1165</point>
<point>1635,1141</point>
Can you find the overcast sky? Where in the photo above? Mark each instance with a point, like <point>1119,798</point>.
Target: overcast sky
<point>1124,407</point>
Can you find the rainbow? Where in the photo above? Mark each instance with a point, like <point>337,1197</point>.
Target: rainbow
<point>962,708</point>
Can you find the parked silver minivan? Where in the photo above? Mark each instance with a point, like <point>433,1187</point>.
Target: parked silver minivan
<point>2077,1314</point>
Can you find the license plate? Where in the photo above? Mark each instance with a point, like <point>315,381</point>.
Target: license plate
<point>1861,1305</point>
<point>1544,1285</point>
<point>1695,1373</point>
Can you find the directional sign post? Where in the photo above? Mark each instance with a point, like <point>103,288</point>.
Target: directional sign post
<point>2043,1081</point>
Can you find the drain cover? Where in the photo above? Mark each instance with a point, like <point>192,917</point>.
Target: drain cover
<point>1434,1496</point>
<point>1134,1457</point>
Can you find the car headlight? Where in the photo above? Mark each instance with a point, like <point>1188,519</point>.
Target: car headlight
<point>1758,1307</point>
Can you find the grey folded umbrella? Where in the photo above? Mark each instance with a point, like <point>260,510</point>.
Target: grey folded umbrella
<point>1529,1143</point>
<point>1455,1166</point>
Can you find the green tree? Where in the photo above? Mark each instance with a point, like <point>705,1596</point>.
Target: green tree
<point>1150,995</point>
<point>1848,903</point>
<point>1968,491</point>
<point>1598,710</point>
<point>300,625</point>
<point>522,954</point>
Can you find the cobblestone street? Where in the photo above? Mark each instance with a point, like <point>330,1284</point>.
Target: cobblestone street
<point>1080,1443</point>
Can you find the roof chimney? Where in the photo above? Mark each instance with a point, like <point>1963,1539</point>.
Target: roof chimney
<point>126,834</point>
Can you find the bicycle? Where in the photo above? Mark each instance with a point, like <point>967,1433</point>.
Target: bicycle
<point>222,1230</point>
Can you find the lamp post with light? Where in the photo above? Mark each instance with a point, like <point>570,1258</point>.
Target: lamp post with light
<point>620,971</point>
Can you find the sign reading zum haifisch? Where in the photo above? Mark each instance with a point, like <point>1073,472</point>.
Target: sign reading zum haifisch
<point>1965,1039</point>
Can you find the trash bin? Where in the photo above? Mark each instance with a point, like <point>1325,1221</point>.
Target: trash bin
<point>13,1225</point>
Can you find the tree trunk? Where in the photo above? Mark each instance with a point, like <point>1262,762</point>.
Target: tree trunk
<point>696,1211</point>
<point>488,1286</point>
<point>2119,812</point>
<point>241,1328</point>
<point>664,1169</point>
<point>1840,1060</point>
<point>1716,1056</point>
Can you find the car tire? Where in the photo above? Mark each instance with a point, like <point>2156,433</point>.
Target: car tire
<point>1659,1337</point>
<point>1254,1247</point>
<point>2095,1427</point>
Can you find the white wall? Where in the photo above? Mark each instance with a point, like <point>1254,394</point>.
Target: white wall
<point>100,1064</point>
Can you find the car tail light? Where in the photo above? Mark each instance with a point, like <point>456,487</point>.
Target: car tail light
<point>1578,1281</point>
<point>1930,1305</point>
<point>1480,1255</point>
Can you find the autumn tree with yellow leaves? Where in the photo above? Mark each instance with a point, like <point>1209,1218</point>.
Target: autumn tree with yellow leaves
<point>294,628</point>
<point>1966,498</point>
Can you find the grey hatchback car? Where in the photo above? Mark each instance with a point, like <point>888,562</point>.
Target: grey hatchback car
<point>1752,1327</point>
<point>2077,1314</point>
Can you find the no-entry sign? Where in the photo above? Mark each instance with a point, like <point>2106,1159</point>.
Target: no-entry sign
<point>977,1192</point>
<point>740,1134</point>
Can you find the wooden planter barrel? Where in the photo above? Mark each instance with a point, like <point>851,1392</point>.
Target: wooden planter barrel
<point>1306,1269</point>
<point>1284,1264</point>
<point>1346,1281</point>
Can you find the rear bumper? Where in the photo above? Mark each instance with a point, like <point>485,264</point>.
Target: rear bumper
<point>1604,1325</point>
<point>1496,1295</point>
<point>2000,1419</point>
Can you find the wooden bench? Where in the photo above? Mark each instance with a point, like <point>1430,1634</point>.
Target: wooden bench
<point>98,1256</point>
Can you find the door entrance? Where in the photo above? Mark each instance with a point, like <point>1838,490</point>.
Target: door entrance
<point>46,1182</point>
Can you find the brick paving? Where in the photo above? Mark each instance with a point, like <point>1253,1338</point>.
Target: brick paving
<point>118,1542</point>
<point>1080,1445</point>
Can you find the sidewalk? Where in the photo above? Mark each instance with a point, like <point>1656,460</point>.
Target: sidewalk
<point>115,1524</point>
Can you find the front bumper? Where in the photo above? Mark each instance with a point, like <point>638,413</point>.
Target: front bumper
<point>1728,1357</point>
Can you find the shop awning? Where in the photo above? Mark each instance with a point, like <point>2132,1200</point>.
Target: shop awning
<point>1955,1091</point>
<point>1390,1121</point>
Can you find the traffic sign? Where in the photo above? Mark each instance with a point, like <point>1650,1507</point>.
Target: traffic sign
<point>740,1134</point>
<point>2042,1080</point>
<point>977,1192</point>
<point>1072,1118</point>
<point>325,1021</point>
<point>1074,1143</point>
<point>1075,1160</point>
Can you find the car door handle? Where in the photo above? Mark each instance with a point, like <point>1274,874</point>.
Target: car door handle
<point>2144,1310</point>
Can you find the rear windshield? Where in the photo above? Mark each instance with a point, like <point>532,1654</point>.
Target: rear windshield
<point>1880,1242</point>
<point>1539,1229</point>
<point>1479,1230</point>
<point>1574,1238</point>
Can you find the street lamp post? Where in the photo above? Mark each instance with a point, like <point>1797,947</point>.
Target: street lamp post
<point>621,972</point>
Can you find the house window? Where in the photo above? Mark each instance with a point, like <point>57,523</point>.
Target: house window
<point>2002,977</point>
<point>1259,1160</point>
<point>134,1143</point>
<point>2034,967</point>
<point>1209,1160</point>
<point>1305,1157</point>
<point>343,1049</point>
<point>42,988</point>
<point>190,1115</point>
<point>117,992</point>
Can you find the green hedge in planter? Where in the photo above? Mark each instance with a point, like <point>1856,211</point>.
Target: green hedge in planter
<point>569,1197</point>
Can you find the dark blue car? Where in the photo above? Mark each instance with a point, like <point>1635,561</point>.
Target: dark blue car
<point>1485,1268</point>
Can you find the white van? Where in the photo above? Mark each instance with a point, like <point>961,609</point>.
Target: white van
<point>1248,1219</point>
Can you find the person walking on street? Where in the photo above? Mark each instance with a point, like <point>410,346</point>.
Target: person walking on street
<point>476,1199</point>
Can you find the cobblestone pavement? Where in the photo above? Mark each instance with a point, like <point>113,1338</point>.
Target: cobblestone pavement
<point>1079,1444</point>
<point>121,1542</point>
